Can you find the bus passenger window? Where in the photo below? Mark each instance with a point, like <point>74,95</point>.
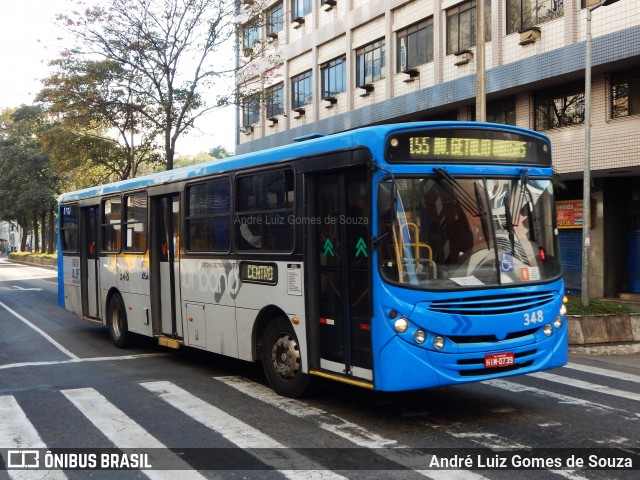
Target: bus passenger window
<point>69,228</point>
<point>264,214</point>
<point>136,222</point>
<point>208,215</point>
<point>111,228</point>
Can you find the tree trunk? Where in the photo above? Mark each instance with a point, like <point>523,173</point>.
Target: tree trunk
<point>35,241</point>
<point>51,248</point>
<point>43,223</point>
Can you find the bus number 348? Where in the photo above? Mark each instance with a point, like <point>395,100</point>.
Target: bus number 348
<point>533,318</point>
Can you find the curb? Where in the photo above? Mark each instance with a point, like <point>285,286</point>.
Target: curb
<point>603,329</point>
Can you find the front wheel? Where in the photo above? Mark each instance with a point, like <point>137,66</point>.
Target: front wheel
<point>117,318</point>
<point>282,359</point>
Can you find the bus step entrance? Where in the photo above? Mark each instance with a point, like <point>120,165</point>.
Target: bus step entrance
<point>169,342</point>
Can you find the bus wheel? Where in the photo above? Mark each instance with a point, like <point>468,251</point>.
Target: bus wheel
<point>282,360</point>
<point>117,317</point>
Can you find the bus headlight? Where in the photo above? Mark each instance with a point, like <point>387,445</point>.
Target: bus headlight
<point>438,343</point>
<point>420,336</point>
<point>563,310</point>
<point>557,322</point>
<point>548,329</point>
<point>401,325</point>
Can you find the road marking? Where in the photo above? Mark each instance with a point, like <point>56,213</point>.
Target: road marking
<point>565,399</point>
<point>267,450</point>
<point>550,377</point>
<point>387,448</point>
<point>82,360</point>
<point>40,331</point>
<point>602,371</point>
<point>125,433</point>
<point>17,432</point>
<point>16,287</point>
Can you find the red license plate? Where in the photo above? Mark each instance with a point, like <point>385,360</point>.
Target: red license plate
<point>496,360</point>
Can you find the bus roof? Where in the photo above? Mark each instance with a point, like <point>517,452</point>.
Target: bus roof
<point>372,137</point>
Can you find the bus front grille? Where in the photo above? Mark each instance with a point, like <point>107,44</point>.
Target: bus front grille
<point>492,305</point>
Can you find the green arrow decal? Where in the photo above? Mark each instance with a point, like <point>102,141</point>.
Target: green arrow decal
<point>328,247</point>
<point>361,247</point>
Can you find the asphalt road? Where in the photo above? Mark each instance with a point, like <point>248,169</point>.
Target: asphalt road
<point>192,414</point>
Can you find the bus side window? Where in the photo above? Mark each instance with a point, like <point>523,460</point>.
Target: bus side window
<point>264,208</point>
<point>69,228</point>
<point>208,216</point>
<point>111,226</point>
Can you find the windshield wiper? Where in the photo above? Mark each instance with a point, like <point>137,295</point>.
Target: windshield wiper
<point>466,201</point>
<point>509,219</point>
<point>522,193</point>
<point>483,218</point>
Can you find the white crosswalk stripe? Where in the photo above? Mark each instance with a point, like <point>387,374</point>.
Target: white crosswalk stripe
<point>270,452</point>
<point>400,454</point>
<point>17,432</point>
<point>124,432</point>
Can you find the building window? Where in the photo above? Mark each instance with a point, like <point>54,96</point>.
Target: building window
<point>301,90</point>
<point>264,208</point>
<point>250,34</point>
<point>625,93</point>
<point>208,216</point>
<point>523,14</point>
<point>559,107</point>
<point>370,63</point>
<point>334,77</point>
<point>588,3</point>
<point>135,222</point>
<point>69,228</point>
<point>502,111</point>
<point>275,19</point>
<point>250,111</point>
<point>301,8</point>
<point>415,45</point>
<point>461,26</point>
<point>275,100</point>
<point>111,227</point>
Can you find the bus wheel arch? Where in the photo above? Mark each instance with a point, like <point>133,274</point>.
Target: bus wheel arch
<point>280,352</point>
<point>117,320</point>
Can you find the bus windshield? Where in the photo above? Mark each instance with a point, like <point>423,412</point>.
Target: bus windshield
<point>451,233</point>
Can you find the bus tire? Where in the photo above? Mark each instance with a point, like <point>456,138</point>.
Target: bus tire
<point>117,318</point>
<point>282,359</point>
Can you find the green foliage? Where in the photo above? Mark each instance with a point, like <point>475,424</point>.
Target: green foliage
<point>156,64</point>
<point>596,307</point>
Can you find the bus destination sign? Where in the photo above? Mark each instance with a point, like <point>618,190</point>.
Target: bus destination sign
<point>263,273</point>
<point>467,145</point>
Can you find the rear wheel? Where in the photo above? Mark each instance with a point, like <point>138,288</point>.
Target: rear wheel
<point>117,318</point>
<point>282,359</point>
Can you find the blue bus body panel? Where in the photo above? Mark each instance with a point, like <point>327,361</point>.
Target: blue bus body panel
<point>491,324</point>
<point>60,268</point>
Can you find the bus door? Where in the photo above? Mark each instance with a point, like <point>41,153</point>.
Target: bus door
<point>165,266</point>
<point>89,262</point>
<point>341,207</point>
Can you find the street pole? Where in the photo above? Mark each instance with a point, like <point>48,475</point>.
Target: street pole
<point>586,186</point>
<point>481,93</point>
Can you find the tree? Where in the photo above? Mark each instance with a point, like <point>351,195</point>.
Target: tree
<point>166,53</point>
<point>27,183</point>
<point>96,120</point>
<point>219,152</point>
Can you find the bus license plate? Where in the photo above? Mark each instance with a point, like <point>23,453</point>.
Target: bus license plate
<point>495,360</point>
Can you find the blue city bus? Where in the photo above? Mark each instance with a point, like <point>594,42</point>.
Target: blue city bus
<point>393,257</point>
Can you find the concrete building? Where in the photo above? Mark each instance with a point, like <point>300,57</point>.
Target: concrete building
<point>342,64</point>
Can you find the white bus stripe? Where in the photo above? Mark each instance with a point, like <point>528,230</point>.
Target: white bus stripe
<point>594,387</point>
<point>40,331</point>
<point>17,432</point>
<point>387,448</point>
<point>125,433</point>
<point>604,372</point>
<point>267,450</point>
